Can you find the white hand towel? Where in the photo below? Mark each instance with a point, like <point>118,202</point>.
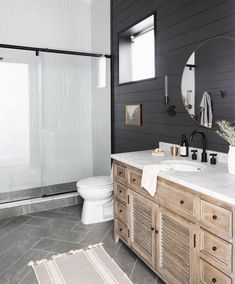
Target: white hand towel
<point>149,177</point>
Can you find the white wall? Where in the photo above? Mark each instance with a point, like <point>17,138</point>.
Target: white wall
<point>100,22</point>
<point>81,25</point>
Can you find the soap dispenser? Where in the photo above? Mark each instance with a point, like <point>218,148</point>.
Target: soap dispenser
<point>184,146</point>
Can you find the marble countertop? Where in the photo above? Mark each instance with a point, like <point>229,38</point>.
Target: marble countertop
<point>214,180</point>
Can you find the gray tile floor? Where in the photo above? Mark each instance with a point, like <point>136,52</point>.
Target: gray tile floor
<point>39,235</point>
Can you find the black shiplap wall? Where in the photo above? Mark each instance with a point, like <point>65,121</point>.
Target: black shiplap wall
<point>215,71</point>
<point>181,26</point>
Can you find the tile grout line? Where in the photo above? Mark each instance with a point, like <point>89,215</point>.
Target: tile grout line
<point>53,218</point>
<point>132,271</point>
<point>85,234</point>
<point>55,233</point>
<point>42,227</point>
<point>21,256</point>
<point>39,249</point>
<point>106,234</point>
<point>11,219</point>
<point>20,281</point>
<point>117,250</point>
<point>59,241</point>
<point>14,230</point>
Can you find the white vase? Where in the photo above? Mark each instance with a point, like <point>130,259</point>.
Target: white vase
<point>231,160</point>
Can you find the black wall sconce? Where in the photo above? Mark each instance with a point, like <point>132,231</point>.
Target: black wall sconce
<point>171,110</point>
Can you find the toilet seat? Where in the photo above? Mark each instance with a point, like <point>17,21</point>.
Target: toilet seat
<point>95,182</point>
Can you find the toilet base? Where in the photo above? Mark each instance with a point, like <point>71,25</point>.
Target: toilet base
<point>97,211</point>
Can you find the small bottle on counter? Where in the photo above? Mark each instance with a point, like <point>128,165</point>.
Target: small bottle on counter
<point>184,146</point>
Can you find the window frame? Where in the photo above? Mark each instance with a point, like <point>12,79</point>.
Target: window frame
<point>154,14</point>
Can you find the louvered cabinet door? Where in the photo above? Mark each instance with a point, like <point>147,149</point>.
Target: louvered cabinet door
<point>142,217</point>
<point>176,248</point>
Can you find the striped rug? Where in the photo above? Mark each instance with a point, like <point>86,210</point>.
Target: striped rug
<point>86,266</point>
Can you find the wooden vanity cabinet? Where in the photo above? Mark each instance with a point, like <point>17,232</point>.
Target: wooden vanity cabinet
<point>142,219</point>
<point>183,236</point>
<point>177,247</point>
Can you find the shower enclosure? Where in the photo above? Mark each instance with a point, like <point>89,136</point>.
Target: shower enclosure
<point>55,121</point>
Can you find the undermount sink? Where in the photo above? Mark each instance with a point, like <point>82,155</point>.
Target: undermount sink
<point>184,166</point>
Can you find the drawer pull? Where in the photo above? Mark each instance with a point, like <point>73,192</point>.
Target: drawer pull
<point>214,248</point>
<point>133,180</point>
<point>120,229</point>
<point>119,173</point>
<point>152,229</point>
<point>120,211</point>
<point>182,202</point>
<point>214,217</point>
<point>214,280</point>
<point>156,231</point>
<point>120,191</point>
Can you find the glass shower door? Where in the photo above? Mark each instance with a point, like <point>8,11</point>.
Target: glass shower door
<point>55,125</point>
<point>75,120</point>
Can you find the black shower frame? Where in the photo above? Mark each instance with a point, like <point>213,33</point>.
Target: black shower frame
<point>37,50</point>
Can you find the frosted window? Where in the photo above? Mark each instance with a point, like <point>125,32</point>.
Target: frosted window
<point>137,51</point>
<point>143,62</point>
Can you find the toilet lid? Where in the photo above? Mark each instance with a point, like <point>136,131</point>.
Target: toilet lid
<point>95,182</point>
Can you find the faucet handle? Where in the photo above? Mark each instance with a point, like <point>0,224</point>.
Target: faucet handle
<point>213,158</point>
<point>194,155</point>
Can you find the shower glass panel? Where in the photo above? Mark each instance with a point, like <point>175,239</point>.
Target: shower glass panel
<point>54,122</point>
<point>20,163</point>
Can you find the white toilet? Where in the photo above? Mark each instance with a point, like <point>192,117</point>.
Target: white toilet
<point>97,193</point>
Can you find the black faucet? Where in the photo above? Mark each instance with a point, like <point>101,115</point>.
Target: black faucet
<point>204,154</point>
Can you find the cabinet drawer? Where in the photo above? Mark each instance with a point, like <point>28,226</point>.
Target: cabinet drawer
<point>121,230</point>
<point>120,192</point>
<point>175,198</point>
<point>210,275</point>
<point>120,173</point>
<point>216,218</point>
<point>134,179</point>
<point>121,212</point>
<point>217,248</point>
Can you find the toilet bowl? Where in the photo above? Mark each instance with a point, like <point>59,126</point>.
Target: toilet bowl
<point>97,193</point>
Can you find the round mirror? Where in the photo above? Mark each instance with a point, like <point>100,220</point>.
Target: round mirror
<point>208,82</point>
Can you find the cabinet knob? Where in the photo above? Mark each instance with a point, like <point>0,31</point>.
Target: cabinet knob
<point>214,280</point>
<point>120,173</point>
<point>152,229</point>
<point>181,201</point>
<point>133,180</point>
<point>120,191</point>
<point>156,231</point>
<point>120,229</point>
<point>214,217</point>
<point>120,211</point>
<point>214,248</point>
